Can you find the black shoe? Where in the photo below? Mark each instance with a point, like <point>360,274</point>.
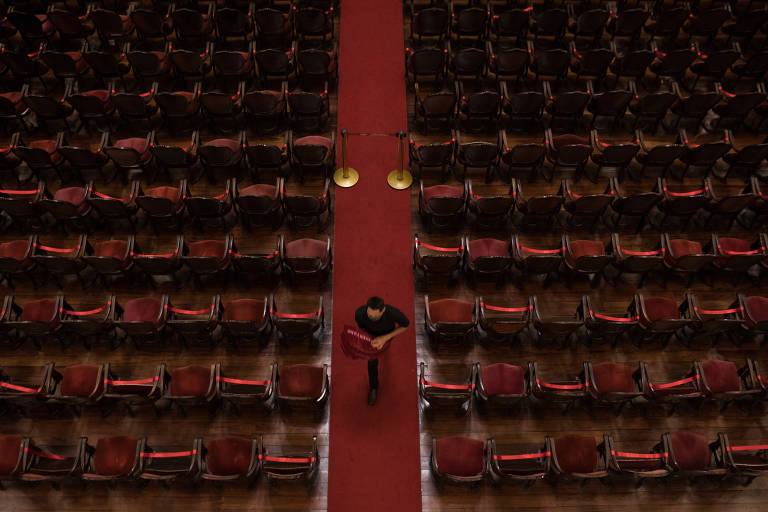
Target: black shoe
<point>372,396</point>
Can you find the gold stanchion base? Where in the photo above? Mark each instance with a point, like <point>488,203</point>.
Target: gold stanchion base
<point>349,181</point>
<point>397,182</point>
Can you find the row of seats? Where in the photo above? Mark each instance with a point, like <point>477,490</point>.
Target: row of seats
<point>667,206</point>
<point>230,459</point>
<point>192,27</point>
<point>596,385</point>
<point>83,209</point>
<point>181,109</point>
<point>297,261</point>
<point>579,458</point>
<point>494,259</point>
<point>311,65</point>
<point>152,321</point>
<point>585,26</point>
<point>570,154</point>
<point>147,156</point>
<point>646,320</point>
<point>79,385</point>
<point>519,106</point>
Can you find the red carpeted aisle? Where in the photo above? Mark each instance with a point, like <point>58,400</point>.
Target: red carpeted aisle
<point>374,462</point>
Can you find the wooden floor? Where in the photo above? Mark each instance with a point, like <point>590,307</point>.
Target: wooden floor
<point>637,428</point>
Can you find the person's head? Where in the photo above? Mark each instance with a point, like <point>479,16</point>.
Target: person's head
<point>375,307</point>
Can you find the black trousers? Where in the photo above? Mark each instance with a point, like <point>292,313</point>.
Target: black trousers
<point>373,373</point>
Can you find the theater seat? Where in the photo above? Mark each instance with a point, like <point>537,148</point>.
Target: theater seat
<point>610,377</point>
<point>690,451</point>
<point>458,458</point>
<point>313,140</point>
<point>10,447</point>
<point>73,195</point>
<point>244,310</point>
<point>307,258</point>
<point>80,380</point>
<point>260,189</point>
<point>721,376</point>
<point>302,381</point>
<point>115,456</point>
<point>139,144</point>
<point>658,308</point>
<point>208,249</point>
<point>143,309</point>
<point>246,320</point>
<point>575,454</point>
<point>757,311</point>
<point>192,380</point>
<point>229,456</point>
<point>503,379</point>
<point>449,319</point>
<point>42,310</point>
<point>111,249</point>
<point>488,247</point>
<point>581,248</point>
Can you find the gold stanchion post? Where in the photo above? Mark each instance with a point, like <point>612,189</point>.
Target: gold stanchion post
<point>345,176</point>
<point>400,179</point>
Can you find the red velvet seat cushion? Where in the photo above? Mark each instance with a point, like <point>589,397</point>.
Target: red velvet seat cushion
<point>680,247</point>
<point>691,450</point>
<point>101,94</point>
<point>450,310</point>
<point>17,249</point>
<point>306,248</point>
<point>503,379</point>
<point>659,308</point>
<point>576,454</point>
<point>244,310</point>
<point>115,455</point>
<point>163,62</point>
<point>111,249</point>
<point>189,96</point>
<point>74,196</point>
<point>488,247</point>
<point>208,249</point>
<point>313,140</point>
<point>9,453</point>
<point>757,307</point>
<point>192,380</point>
<point>41,310</point>
<point>170,193</point>
<point>613,378</point>
<point>233,146</point>
<point>127,23</point>
<point>142,309</point>
<point>137,143</point>
<point>80,380</point>
<point>568,139</point>
<point>581,248</point>
<point>15,98</point>
<point>301,380</point>
<point>48,27</point>
<point>459,456</point>
<point>80,63</point>
<point>259,190</point>
<point>229,456</point>
<point>49,146</point>
<point>721,376</point>
<point>442,191</point>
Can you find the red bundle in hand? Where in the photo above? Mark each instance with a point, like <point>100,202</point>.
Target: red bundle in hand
<point>356,344</point>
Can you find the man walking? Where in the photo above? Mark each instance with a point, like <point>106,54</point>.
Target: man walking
<point>384,322</point>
